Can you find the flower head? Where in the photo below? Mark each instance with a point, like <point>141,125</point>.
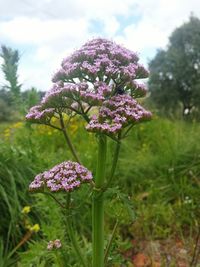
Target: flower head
<point>57,243</point>
<point>117,113</point>
<point>35,228</point>
<point>104,66</point>
<point>26,209</point>
<point>101,57</point>
<point>98,74</point>
<point>40,114</point>
<point>54,244</point>
<point>66,176</point>
<point>50,245</point>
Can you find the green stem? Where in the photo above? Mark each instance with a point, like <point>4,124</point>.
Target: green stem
<point>114,164</point>
<point>72,234</point>
<point>58,259</point>
<point>110,242</point>
<point>98,206</point>
<point>67,138</point>
<point>54,198</point>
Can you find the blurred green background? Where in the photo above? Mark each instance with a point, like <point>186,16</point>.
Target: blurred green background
<point>155,195</point>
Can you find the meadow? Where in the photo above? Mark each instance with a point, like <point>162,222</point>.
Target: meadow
<point>157,224</point>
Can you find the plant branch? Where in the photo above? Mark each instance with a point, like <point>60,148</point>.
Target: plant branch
<point>110,242</point>
<point>24,240</point>
<point>72,235</point>
<point>88,109</point>
<point>196,250</point>
<point>69,143</point>
<point>55,127</point>
<point>98,206</point>
<point>114,163</point>
<point>57,201</point>
<point>128,130</point>
<point>83,113</point>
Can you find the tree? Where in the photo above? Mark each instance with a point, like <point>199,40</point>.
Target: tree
<point>5,103</point>
<point>175,72</point>
<point>31,97</point>
<point>10,68</point>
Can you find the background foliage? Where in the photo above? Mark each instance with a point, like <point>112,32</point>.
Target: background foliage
<point>159,170</point>
<point>174,80</point>
<point>161,178</point>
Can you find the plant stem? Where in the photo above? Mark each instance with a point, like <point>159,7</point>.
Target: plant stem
<point>98,206</point>
<point>54,198</point>
<point>114,164</point>
<point>75,243</point>
<point>110,242</point>
<point>67,138</point>
<point>24,240</point>
<point>195,253</point>
<point>58,259</point>
<point>72,234</point>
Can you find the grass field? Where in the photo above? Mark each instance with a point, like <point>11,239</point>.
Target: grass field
<point>159,170</point>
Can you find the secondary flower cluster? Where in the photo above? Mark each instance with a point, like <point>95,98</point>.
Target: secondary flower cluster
<point>117,113</point>
<point>39,115</point>
<point>66,176</point>
<point>69,95</point>
<point>54,244</point>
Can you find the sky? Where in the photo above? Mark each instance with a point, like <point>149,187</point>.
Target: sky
<point>46,31</point>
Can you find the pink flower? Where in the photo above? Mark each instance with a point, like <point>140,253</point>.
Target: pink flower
<point>117,113</point>
<point>50,245</point>
<point>100,74</point>
<point>65,176</point>
<point>54,244</point>
<point>57,243</point>
<point>39,114</point>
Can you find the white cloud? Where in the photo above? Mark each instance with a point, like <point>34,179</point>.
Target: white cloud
<point>111,26</point>
<point>50,31</point>
<point>106,8</point>
<point>50,41</point>
<point>24,30</point>
<point>145,34</point>
<point>43,53</point>
<point>158,20</point>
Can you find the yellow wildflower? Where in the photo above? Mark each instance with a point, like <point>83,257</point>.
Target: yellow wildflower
<point>17,124</point>
<point>7,133</point>
<point>26,209</point>
<point>35,228</point>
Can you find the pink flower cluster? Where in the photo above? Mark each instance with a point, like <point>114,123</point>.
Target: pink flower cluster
<point>68,97</point>
<point>54,244</point>
<point>99,74</point>
<point>117,113</point>
<point>66,176</point>
<point>40,115</point>
<point>101,58</point>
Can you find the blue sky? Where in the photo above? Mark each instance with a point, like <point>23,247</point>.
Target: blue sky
<point>46,31</point>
